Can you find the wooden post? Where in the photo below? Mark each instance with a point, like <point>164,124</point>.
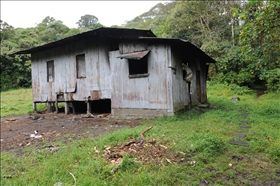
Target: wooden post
<point>56,105</point>
<point>34,106</point>
<point>49,107</point>
<point>66,107</point>
<point>53,106</point>
<point>88,107</point>
<point>73,107</point>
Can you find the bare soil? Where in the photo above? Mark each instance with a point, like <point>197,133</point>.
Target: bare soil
<point>18,132</point>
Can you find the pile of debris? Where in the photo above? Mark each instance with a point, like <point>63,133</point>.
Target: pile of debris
<point>147,151</point>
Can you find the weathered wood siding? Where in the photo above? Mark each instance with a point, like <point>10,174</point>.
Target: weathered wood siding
<point>65,72</point>
<point>146,92</point>
<point>181,94</point>
<point>198,94</point>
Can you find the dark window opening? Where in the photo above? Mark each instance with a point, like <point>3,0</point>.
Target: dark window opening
<point>138,66</point>
<point>81,66</point>
<point>101,106</point>
<point>50,71</point>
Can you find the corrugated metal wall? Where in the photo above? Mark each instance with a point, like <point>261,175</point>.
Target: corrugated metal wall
<point>146,92</point>
<point>107,77</point>
<point>181,95</point>
<point>66,81</point>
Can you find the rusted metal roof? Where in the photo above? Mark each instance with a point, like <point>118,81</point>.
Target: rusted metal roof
<point>183,44</point>
<point>135,55</point>
<point>103,33</point>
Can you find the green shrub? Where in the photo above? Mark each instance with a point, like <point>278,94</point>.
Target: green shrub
<point>240,90</point>
<point>273,80</point>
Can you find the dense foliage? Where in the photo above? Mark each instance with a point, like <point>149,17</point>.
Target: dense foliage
<point>242,36</point>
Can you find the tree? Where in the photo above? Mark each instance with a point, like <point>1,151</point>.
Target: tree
<point>6,31</point>
<point>15,71</point>
<point>87,21</point>
<point>259,41</point>
<point>155,19</point>
<point>201,21</point>
<point>72,31</point>
<point>50,30</point>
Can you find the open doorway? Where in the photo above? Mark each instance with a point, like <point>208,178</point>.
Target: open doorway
<point>198,86</point>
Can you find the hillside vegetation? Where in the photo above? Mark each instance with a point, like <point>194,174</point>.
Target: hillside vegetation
<point>243,37</point>
<point>190,148</point>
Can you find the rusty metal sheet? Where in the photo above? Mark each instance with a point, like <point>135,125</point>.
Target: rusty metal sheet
<point>69,96</point>
<point>134,55</point>
<point>95,95</point>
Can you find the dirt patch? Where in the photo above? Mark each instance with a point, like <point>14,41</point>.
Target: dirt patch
<point>18,132</point>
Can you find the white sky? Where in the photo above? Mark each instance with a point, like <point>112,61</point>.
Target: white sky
<point>29,13</point>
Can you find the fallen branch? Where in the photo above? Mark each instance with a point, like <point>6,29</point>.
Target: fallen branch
<point>142,133</point>
<point>73,178</point>
<point>129,143</point>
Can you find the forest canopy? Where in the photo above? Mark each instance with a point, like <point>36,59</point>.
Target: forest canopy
<point>242,36</point>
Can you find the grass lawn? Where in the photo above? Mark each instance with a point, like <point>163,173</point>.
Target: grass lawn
<point>190,148</point>
<point>17,102</point>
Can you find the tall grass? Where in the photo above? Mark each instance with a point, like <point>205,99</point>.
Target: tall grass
<point>190,136</point>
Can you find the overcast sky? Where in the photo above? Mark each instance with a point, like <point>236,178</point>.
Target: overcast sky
<point>29,13</point>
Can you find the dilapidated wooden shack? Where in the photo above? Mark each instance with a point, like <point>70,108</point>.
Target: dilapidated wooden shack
<point>128,72</point>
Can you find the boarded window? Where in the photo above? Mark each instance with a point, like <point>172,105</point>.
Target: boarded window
<point>81,66</point>
<point>50,71</point>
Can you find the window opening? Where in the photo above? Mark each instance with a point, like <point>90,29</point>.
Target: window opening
<point>50,71</point>
<point>81,66</point>
<point>138,66</point>
<point>137,63</point>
